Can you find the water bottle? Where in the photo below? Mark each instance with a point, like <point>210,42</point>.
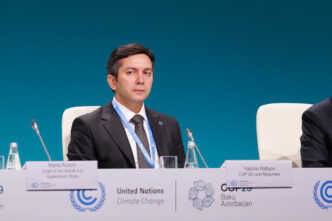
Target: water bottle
<point>191,159</point>
<point>13,161</point>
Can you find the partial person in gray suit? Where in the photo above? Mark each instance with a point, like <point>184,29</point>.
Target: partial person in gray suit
<point>316,140</point>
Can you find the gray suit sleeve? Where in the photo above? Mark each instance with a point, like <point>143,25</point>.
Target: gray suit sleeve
<point>314,152</point>
<point>180,148</point>
<point>81,146</point>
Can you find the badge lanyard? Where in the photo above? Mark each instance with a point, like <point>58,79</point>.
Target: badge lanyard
<point>150,161</point>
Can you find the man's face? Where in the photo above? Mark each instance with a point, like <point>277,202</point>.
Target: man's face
<point>135,77</point>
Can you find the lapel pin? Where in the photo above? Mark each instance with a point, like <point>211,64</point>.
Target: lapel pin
<point>161,123</point>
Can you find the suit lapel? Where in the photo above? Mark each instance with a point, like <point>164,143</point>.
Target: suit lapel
<point>115,129</point>
<point>157,127</point>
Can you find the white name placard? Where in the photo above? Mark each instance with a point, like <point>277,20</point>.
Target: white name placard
<point>258,173</point>
<point>61,175</point>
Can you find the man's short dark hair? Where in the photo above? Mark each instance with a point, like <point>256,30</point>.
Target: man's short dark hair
<point>125,51</point>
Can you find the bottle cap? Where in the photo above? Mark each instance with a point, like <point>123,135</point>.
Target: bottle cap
<point>13,145</point>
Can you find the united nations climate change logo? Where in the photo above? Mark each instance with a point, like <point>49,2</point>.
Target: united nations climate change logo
<point>205,190</point>
<point>88,200</point>
<point>323,194</point>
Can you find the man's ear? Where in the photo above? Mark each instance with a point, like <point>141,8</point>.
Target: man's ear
<point>111,82</point>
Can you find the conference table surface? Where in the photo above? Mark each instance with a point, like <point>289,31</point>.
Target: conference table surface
<point>169,194</point>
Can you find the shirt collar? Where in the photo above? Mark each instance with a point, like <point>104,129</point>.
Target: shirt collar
<point>128,113</point>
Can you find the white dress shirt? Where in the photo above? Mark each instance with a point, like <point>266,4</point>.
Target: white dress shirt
<point>128,115</point>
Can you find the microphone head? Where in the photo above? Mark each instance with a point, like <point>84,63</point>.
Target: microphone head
<point>189,134</point>
<point>34,125</point>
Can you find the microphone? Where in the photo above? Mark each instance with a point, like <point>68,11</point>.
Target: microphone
<point>191,137</point>
<point>35,128</point>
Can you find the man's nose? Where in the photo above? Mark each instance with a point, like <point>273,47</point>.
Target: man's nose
<point>140,78</point>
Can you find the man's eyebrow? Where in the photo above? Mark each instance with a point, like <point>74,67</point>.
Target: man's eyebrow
<point>137,68</point>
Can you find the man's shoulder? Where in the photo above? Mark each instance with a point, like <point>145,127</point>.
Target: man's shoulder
<point>157,115</point>
<point>323,106</point>
<point>321,110</point>
<point>99,113</point>
<point>93,115</point>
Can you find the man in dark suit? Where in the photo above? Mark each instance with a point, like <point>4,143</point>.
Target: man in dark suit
<point>316,140</point>
<point>107,134</point>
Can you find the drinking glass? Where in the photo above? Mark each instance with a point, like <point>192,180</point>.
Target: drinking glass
<point>168,162</point>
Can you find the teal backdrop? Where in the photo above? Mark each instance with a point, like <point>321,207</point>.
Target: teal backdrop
<point>216,63</point>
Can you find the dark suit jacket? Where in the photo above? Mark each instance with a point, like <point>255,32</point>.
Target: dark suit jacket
<point>316,140</point>
<point>100,135</point>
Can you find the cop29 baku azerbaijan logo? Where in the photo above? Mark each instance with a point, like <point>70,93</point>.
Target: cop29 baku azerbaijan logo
<point>323,194</point>
<point>201,195</point>
<point>88,200</point>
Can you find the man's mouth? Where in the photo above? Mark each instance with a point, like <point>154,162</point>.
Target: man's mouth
<point>139,90</point>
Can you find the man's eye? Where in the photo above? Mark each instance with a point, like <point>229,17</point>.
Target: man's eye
<point>147,73</point>
<point>130,72</point>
